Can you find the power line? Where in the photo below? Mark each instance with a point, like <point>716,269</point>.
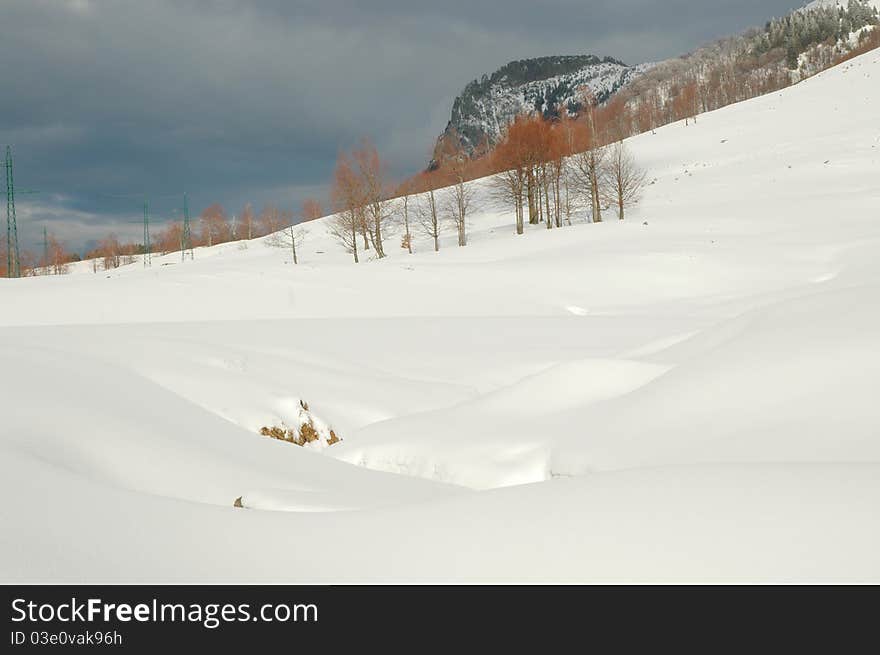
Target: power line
<point>12,244</point>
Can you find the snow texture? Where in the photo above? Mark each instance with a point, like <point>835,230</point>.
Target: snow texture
<point>685,396</point>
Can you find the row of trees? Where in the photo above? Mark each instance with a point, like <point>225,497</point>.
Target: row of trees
<point>212,227</point>
<point>55,258</point>
<point>547,170</point>
<point>366,200</point>
<point>551,169</point>
<point>360,193</point>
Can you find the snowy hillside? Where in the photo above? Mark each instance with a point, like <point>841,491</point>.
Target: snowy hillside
<point>548,85</point>
<point>818,4</point>
<point>684,396</point>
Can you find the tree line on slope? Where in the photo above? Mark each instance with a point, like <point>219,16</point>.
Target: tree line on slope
<point>212,227</point>
<point>546,169</point>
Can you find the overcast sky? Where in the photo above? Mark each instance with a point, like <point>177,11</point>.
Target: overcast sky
<point>250,100</point>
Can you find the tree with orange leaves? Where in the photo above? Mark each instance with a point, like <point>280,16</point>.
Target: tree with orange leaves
<point>215,226</point>
<point>455,163</point>
<point>589,160</point>
<point>685,103</point>
<point>347,196</point>
<point>168,240</point>
<point>110,251</point>
<point>520,154</point>
<point>311,210</point>
<point>510,158</point>
<point>373,174</point>
<point>245,224</point>
<point>270,220</point>
<point>59,258</point>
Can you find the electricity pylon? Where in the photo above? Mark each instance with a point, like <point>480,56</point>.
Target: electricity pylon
<point>12,260</point>
<point>186,236</point>
<point>148,250</point>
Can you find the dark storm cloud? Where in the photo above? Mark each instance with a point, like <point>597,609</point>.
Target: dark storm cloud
<point>250,100</point>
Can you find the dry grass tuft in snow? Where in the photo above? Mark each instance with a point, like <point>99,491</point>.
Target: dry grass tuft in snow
<point>310,433</point>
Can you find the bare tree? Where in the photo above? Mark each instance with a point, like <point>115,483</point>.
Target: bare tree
<point>56,259</point>
<point>569,197</point>
<point>311,210</point>
<point>215,227</point>
<point>455,163</point>
<point>624,179</point>
<point>270,220</point>
<point>588,171</point>
<point>372,174</point>
<point>347,197</point>
<point>511,157</point>
<point>429,219</point>
<point>291,237</point>
<point>510,187</point>
<point>588,162</point>
<point>459,199</point>
<point>247,222</point>
<point>405,191</point>
<point>109,250</point>
<point>168,240</point>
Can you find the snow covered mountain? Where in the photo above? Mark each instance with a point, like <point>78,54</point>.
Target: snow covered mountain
<point>688,395</point>
<point>818,4</point>
<point>548,85</point>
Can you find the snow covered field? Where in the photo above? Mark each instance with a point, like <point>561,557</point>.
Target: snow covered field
<point>687,396</point>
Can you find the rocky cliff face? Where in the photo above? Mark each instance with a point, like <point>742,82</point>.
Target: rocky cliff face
<point>547,85</point>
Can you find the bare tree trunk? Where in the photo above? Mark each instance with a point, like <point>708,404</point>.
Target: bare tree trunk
<point>567,201</point>
<point>530,192</point>
<point>406,223</point>
<point>435,224</point>
<point>462,200</point>
<point>377,219</point>
<point>520,213</point>
<point>557,199</point>
<point>539,198</point>
<point>594,184</point>
<point>354,241</point>
<point>547,199</point>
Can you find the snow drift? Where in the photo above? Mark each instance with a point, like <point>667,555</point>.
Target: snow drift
<point>683,396</point>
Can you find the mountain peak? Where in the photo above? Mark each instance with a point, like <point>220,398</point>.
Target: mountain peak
<point>547,85</point>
